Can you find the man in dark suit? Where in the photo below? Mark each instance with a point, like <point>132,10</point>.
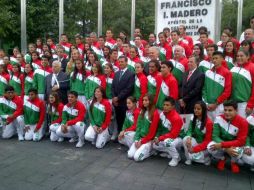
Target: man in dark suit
<point>57,81</point>
<point>122,87</point>
<point>191,89</point>
<point>64,61</point>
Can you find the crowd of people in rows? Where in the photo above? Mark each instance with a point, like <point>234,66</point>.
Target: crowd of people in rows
<point>153,97</point>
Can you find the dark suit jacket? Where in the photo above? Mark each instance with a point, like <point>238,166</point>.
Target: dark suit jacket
<point>63,62</point>
<point>63,81</point>
<point>123,88</point>
<point>191,90</point>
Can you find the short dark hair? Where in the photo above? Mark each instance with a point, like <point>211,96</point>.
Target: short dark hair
<point>203,33</point>
<point>166,28</point>
<point>171,100</point>
<point>218,53</point>
<point>169,64</point>
<point>213,46</point>
<point>9,88</point>
<point>123,57</point>
<point>176,31</point>
<point>45,57</point>
<point>202,28</point>
<point>230,103</point>
<point>34,90</point>
<point>228,28</point>
<point>72,92</point>
<point>156,62</point>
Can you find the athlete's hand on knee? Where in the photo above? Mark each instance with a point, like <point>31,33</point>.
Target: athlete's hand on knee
<point>27,128</point>
<point>99,130</point>
<point>121,135</point>
<point>247,151</point>
<point>96,129</point>
<point>215,146</point>
<point>138,144</point>
<point>232,152</point>
<point>156,141</point>
<point>188,143</point>
<point>64,128</point>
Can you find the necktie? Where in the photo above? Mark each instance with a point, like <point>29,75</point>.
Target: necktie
<point>121,74</point>
<point>189,75</point>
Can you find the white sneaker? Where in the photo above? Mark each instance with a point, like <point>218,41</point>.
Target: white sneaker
<point>60,139</point>
<point>72,140</point>
<point>80,144</point>
<point>21,138</point>
<point>174,162</point>
<point>188,162</point>
<point>207,161</point>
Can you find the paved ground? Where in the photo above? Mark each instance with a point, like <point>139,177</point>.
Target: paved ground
<point>59,166</point>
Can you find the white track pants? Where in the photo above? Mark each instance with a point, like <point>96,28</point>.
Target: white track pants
<point>196,157</point>
<point>220,154</point>
<point>143,152</point>
<point>16,126</point>
<point>170,146</point>
<point>53,128</point>
<point>249,159</point>
<point>128,138</point>
<point>31,135</point>
<point>99,139</point>
<point>75,130</point>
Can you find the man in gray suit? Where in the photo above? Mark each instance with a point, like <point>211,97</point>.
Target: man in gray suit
<point>58,81</point>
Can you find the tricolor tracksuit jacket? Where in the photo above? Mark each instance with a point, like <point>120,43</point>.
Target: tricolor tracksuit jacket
<point>93,82</point>
<point>154,83</point>
<point>243,84</point>
<point>130,121</point>
<point>109,80</point>
<point>40,79</point>
<point>14,60</point>
<point>217,86</point>
<point>140,88</point>
<point>146,128</point>
<point>73,114</point>
<point>132,62</point>
<point>79,83</point>
<point>4,81</point>
<point>230,61</point>
<point>169,87</point>
<point>34,112</point>
<point>203,137</point>
<point>11,107</point>
<point>28,84</point>
<point>17,81</point>
<point>205,65</point>
<point>100,114</point>
<point>55,113</point>
<point>230,134</point>
<point>170,125</point>
<point>165,51</point>
<point>66,47</point>
<point>180,67</point>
